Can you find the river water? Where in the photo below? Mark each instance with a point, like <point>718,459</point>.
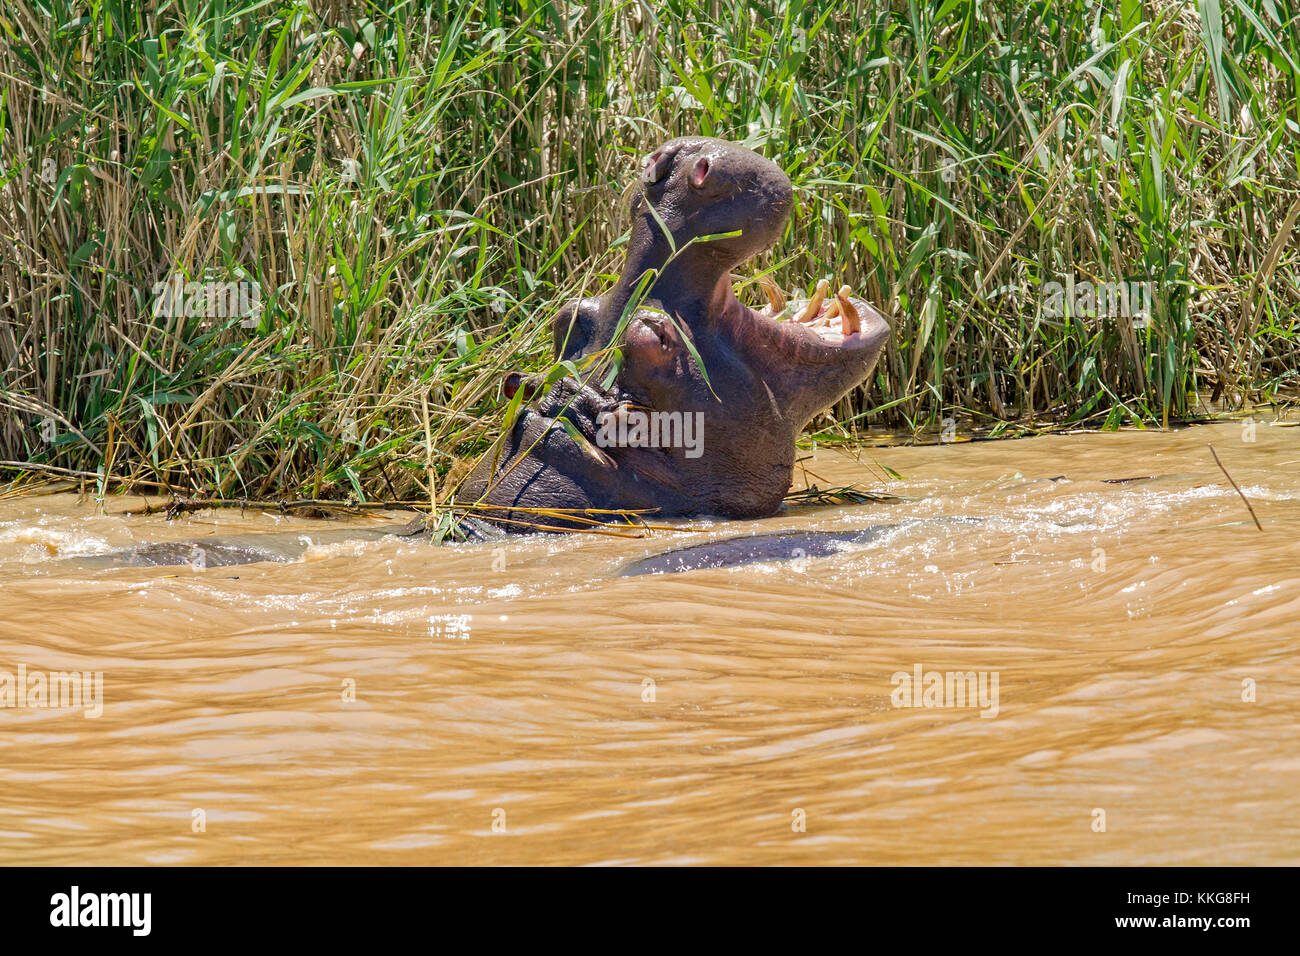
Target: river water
<point>383,701</point>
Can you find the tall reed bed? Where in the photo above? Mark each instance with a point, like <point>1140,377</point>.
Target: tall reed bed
<point>397,196</point>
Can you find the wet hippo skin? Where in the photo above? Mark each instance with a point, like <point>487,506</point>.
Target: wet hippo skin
<point>752,549</point>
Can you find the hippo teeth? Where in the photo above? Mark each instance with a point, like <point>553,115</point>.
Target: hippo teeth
<point>775,297</point>
<point>813,308</point>
<point>832,317</point>
<point>850,321</point>
<point>818,313</point>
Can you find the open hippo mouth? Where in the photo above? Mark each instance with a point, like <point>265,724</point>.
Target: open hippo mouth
<point>748,380</point>
<point>699,188</point>
<point>838,321</point>
<point>826,330</point>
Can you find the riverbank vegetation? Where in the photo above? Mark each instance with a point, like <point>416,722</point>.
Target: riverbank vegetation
<point>286,248</point>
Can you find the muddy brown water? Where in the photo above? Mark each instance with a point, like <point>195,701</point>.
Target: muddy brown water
<point>383,701</point>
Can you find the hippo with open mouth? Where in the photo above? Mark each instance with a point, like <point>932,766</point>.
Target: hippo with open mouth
<point>729,387</point>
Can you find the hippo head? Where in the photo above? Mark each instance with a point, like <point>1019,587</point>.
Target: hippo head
<point>696,188</point>
<point>707,395</point>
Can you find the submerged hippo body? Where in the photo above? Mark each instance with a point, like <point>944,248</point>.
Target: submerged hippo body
<point>753,549</point>
<point>193,553</point>
<point>731,415</point>
<point>226,551</point>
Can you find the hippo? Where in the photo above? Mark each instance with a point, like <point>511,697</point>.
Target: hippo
<point>686,402</point>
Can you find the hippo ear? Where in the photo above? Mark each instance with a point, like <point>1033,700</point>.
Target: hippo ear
<point>517,380</point>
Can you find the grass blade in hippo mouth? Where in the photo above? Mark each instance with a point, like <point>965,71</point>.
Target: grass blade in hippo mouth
<point>582,433</point>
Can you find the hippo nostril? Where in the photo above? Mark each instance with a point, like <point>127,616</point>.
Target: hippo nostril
<point>700,172</point>
<point>655,166</point>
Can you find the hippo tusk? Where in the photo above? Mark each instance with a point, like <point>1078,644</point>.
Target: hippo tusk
<point>850,321</point>
<point>775,297</point>
<point>814,306</point>
<point>842,307</point>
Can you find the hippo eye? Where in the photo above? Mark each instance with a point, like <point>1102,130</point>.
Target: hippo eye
<point>660,329</point>
<point>700,172</point>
